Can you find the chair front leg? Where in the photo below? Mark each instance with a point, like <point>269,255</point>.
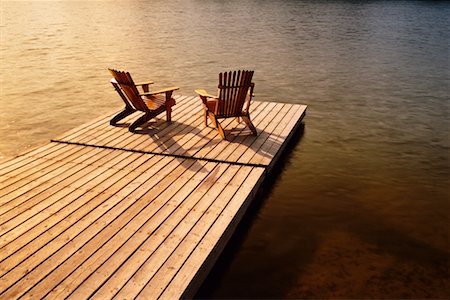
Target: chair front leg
<point>169,104</point>
<point>217,124</point>
<point>169,114</point>
<point>205,115</point>
<point>249,123</point>
<point>205,109</point>
<point>213,118</point>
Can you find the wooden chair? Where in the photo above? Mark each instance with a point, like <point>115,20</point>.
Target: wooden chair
<point>152,103</point>
<point>235,89</point>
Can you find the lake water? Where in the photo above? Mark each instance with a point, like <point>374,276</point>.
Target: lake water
<point>360,206</point>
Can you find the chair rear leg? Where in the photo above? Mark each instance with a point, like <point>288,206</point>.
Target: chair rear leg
<point>139,122</point>
<point>221,131</point>
<point>249,123</point>
<point>124,113</point>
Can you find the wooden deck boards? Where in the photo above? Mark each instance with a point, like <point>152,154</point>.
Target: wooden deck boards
<point>187,137</point>
<point>101,212</point>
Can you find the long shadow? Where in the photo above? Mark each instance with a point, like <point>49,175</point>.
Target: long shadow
<point>168,138</point>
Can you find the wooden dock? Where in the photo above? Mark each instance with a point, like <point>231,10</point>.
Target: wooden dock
<point>100,212</point>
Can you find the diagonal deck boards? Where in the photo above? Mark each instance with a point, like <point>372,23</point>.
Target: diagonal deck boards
<point>101,212</point>
<point>187,136</point>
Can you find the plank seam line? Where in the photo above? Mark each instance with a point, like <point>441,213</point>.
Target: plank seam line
<point>163,154</point>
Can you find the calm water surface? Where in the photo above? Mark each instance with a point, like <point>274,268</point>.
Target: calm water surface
<point>360,206</point>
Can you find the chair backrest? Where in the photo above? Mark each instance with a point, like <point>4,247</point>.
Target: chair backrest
<point>233,89</point>
<point>128,87</point>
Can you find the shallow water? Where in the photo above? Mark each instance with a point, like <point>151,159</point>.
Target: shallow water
<point>360,206</point>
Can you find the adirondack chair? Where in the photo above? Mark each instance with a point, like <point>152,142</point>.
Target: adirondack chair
<point>152,103</point>
<point>235,89</point>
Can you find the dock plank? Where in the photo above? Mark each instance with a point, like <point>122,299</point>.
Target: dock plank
<point>51,256</point>
<point>104,213</point>
<point>27,158</point>
<point>125,224</point>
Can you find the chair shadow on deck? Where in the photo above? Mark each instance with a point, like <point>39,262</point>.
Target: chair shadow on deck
<point>264,144</point>
<point>167,137</point>
<point>194,140</point>
<point>171,138</point>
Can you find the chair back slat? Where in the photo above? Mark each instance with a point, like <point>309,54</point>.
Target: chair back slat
<point>128,87</point>
<point>235,91</point>
<point>233,88</point>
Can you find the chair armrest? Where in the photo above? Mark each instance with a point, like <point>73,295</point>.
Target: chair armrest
<point>144,83</point>
<point>203,93</point>
<point>113,80</point>
<point>170,89</point>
